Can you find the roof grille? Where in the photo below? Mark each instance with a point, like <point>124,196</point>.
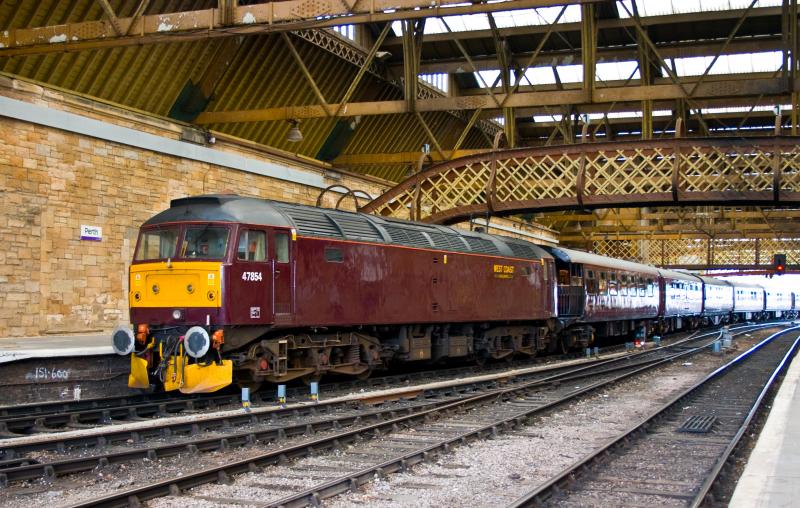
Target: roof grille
<point>447,242</point>
<point>409,237</point>
<point>357,227</point>
<point>310,221</point>
<point>521,250</point>
<point>481,245</point>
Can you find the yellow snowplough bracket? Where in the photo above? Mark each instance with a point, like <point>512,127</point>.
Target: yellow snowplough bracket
<point>173,374</point>
<point>138,377</point>
<point>207,378</point>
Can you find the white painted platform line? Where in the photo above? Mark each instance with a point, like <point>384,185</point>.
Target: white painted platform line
<point>54,347</point>
<point>772,475</point>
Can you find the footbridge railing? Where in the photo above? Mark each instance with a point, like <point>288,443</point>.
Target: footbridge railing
<point>683,171</point>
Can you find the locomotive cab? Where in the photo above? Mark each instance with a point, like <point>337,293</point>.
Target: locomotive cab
<point>196,285</point>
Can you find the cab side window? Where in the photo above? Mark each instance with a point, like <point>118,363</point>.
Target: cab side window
<point>252,246</point>
<point>282,247</point>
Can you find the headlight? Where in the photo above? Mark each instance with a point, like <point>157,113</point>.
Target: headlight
<point>177,314</point>
<point>196,342</point>
<point>122,340</point>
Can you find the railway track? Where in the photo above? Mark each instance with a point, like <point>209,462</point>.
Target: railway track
<point>675,455</point>
<point>65,416</point>
<point>276,424</point>
<point>491,410</point>
<point>70,415</point>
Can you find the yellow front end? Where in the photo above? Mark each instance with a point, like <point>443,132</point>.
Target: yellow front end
<point>177,285</point>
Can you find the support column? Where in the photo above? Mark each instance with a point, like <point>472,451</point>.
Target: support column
<point>412,48</point>
<point>588,48</point>
<point>646,77</point>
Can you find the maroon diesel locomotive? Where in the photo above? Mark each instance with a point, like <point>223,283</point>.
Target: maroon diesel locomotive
<point>273,291</point>
<point>224,288</point>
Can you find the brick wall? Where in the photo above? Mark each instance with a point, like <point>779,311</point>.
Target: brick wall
<point>53,181</point>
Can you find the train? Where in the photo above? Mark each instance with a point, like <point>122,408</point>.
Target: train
<point>230,289</point>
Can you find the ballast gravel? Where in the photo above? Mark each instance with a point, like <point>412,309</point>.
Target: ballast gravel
<point>496,472</point>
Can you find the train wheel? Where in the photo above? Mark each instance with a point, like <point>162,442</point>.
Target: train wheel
<point>364,375</point>
<point>563,345</point>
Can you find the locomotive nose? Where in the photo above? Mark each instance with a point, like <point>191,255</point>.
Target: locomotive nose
<point>122,340</point>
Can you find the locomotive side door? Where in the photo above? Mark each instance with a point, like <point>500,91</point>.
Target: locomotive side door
<point>283,275</point>
<point>251,278</point>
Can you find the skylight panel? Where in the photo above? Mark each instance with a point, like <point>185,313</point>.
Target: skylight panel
<point>503,19</point>
<point>743,109</point>
<point>570,73</point>
<point>489,77</point>
<point>666,7</point>
<point>616,71</point>
<point>547,118</point>
<point>348,31</point>
<point>438,81</point>
<point>539,76</point>
<point>730,64</point>
<point>540,16</point>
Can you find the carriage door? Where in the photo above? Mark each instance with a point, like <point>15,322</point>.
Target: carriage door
<point>283,275</point>
<point>251,278</point>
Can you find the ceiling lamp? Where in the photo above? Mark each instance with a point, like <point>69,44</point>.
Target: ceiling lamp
<point>294,135</point>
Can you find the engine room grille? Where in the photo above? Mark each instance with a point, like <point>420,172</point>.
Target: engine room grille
<point>310,221</point>
<point>522,251</point>
<point>447,242</point>
<point>481,245</point>
<point>409,237</point>
<point>357,227</point>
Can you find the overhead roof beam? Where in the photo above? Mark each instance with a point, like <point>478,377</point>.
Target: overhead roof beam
<point>276,16</point>
<point>615,54</point>
<point>112,17</point>
<point>602,24</point>
<point>734,87</point>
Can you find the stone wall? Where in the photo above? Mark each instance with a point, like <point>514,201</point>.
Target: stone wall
<point>54,180</point>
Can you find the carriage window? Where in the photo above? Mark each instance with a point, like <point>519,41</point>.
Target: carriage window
<point>157,244</point>
<point>591,283</point>
<point>603,287</point>
<point>281,247</point>
<point>333,255</point>
<point>640,283</point>
<point>563,277</point>
<point>252,246</point>
<point>205,242</point>
<point>650,289</point>
<point>623,284</point>
<point>612,283</point>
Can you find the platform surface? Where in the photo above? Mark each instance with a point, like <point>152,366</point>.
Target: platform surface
<point>50,346</point>
<point>772,475</point>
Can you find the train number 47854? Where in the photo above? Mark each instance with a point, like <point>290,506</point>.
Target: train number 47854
<point>252,276</point>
